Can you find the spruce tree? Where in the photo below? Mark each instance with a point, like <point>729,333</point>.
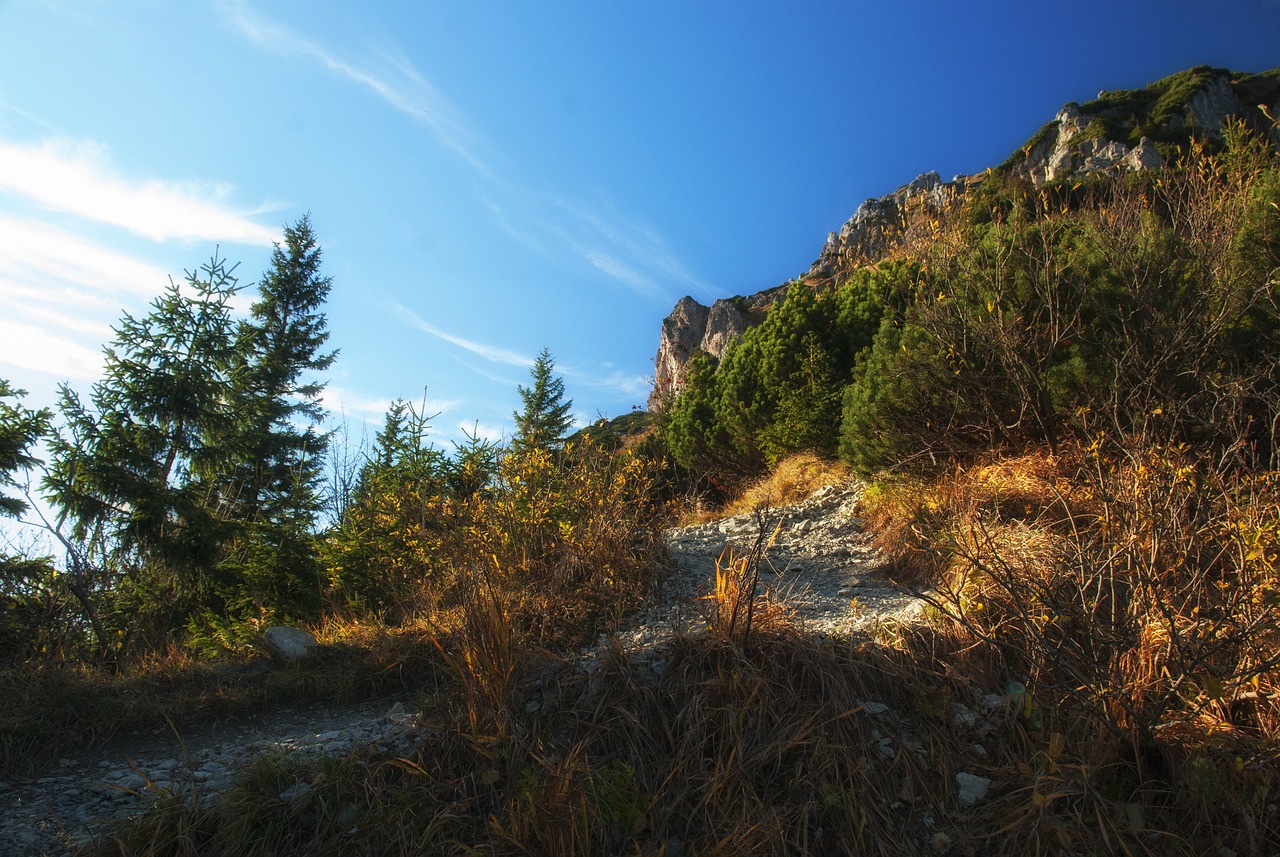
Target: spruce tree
<point>20,428</point>
<point>273,489</point>
<point>129,469</point>
<point>546,416</point>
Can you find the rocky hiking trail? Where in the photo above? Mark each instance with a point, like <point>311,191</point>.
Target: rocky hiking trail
<point>820,564</point>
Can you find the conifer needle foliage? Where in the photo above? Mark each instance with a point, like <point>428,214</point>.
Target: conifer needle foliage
<point>185,486</point>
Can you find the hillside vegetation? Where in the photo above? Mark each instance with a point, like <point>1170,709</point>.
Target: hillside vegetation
<point>1066,403</point>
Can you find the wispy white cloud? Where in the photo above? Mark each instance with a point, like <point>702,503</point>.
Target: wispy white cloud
<point>483,431</point>
<point>60,290</point>
<point>605,378</point>
<point>59,294</point>
<point>618,382</point>
<point>620,271</point>
<point>43,350</point>
<point>341,401</point>
<point>632,253</point>
<point>338,400</point>
<point>67,266</point>
<point>386,73</point>
<point>492,353</point>
<point>31,118</point>
<point>509,381</point>
<point>75,177</point>
<point>627,383</point>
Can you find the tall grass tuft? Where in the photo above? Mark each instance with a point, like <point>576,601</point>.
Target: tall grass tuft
<point>1132,599</point>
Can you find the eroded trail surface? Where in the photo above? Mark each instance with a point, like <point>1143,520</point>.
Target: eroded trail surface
<point>51,813</point>
<point>820,564</point>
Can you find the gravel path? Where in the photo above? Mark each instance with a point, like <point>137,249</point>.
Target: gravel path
<point>820,564</point>
<point>50,813</point>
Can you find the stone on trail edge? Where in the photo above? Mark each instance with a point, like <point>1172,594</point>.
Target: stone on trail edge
<point>822,565</point>
<point>288,643</point>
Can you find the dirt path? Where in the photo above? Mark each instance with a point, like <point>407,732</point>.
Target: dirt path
<point>63,806</point>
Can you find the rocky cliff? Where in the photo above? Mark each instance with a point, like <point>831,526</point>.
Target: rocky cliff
<point>1137,129</point>
<point>1119,131</point>
<point>692,327</point>
<point>875,229</point>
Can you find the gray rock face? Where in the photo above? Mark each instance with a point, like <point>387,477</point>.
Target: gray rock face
<point>1143,157</point>
<point>288,643</point>
<point>879,225</point>
<point>1209,108</point>
<point>1067,151</point>
<point>876,227</point>
<point>692,327</point>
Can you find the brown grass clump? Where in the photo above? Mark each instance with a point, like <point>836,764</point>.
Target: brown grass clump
<point>737,603</point>
<point>1019,488</point>
<point>1013,501</point>
<point>793,480</point>
<point>1133,596</point>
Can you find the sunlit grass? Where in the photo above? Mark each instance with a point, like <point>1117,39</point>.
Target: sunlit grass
<point>794,479</point>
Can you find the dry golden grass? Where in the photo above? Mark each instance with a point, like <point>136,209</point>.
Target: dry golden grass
<point>1022,487</point>
<point>904,517</point>
<point>738,605</point>
<point>984,555</point>
<point>782,748</point>
<point>793,480</point>
<point>1135,597</point>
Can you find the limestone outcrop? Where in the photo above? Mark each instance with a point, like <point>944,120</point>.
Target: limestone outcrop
<point>879,226</point>
<point>693,327</point>
<point>1068,148</point>
<point>1098,136</point>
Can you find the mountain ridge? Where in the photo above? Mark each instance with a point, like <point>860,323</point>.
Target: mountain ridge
<point>1120,131</point>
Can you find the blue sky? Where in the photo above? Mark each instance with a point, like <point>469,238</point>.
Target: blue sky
<point>488,179</point>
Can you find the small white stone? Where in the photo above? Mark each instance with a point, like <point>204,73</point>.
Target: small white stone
<point>288,643</point>
<point>297,794</point>
<point>973,788</point>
